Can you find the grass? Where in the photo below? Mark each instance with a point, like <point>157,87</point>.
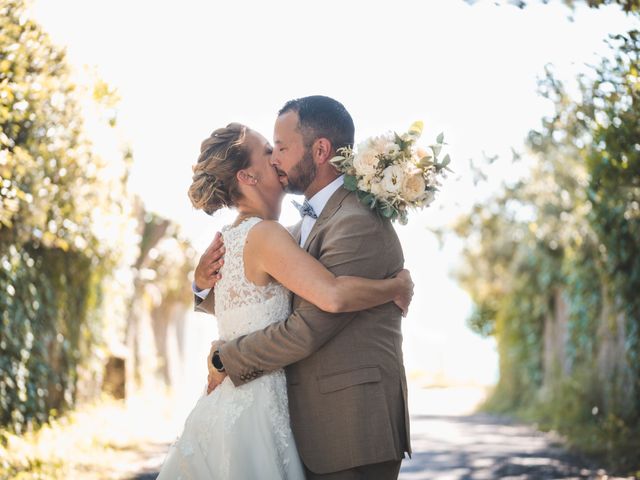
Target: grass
<point>107,439</point>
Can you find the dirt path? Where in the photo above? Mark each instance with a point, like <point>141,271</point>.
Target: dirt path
<point>451,444</point>
<point>486,447</point>
<point>459,448</point>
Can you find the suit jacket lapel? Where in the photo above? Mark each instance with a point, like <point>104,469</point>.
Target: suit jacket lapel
<point>296,231</point>
<point>332,206</point>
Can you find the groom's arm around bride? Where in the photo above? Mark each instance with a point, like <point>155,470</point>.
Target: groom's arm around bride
<point>346,381</point>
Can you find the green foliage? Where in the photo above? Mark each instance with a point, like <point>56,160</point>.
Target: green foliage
<point>614,190</point>
<point>570,234</point>
<point>45,330</point>
<point>350,183</point>
<point>51,262</point>
<point>626,5</point>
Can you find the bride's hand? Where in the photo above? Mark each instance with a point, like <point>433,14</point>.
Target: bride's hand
<point>214,379</point>
<point>405,291</point>
<point>207,271</point>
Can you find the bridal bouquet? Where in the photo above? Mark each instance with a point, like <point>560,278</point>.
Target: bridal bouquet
<point>391,174</point>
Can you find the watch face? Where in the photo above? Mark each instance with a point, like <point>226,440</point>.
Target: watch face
<point>217,363</point>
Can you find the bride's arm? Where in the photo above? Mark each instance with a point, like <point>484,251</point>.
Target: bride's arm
<point>271,249</point>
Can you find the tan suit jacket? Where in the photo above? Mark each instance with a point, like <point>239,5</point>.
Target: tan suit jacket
<point>345,376</point>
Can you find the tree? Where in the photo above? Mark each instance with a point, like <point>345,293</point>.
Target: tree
<point>560,252</point>
<point>53,192</point>
<point>627,5</point>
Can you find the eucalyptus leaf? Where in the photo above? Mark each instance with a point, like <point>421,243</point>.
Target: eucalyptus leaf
<point>387,210</point>
<point>368,199</point>
<point>350,183</point>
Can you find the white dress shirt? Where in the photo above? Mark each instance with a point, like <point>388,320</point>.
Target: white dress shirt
<point>201,293</point>
<point>317,202</point>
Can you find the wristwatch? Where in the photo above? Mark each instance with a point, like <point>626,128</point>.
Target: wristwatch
<point>217,362</point>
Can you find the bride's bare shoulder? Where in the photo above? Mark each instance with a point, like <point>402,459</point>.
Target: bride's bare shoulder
<point>268,231</point>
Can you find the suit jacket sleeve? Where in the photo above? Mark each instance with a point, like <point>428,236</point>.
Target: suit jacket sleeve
<point>208,305</point>
<point>352,245</point>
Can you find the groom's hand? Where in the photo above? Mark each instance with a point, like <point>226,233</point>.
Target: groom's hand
<point>403,299</point>
<point>207,272</point>
<point>214,377</point>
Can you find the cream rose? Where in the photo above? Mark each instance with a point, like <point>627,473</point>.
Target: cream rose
<point>366,160</point>
<point>413,185</point>
<point>366,163</point>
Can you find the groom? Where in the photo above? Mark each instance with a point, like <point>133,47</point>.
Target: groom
<point>345,377</point>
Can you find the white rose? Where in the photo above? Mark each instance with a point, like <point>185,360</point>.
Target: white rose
<point>392,178</point>
<point>413,185</point>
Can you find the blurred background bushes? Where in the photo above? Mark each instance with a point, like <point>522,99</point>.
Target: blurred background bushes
<point>552,263</point>
<point>80,257</point>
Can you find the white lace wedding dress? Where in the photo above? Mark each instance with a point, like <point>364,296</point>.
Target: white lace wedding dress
<point>240,433</point>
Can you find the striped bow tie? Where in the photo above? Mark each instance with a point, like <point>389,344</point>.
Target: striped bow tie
<point>305,209</point>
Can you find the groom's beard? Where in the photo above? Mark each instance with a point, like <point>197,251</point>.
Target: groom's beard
<point>302,174</point>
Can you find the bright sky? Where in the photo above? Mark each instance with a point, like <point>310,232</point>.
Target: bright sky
<point>469,71</point>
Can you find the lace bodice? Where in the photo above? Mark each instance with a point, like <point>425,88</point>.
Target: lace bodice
<point>240,432</point>
<point>242,306</point>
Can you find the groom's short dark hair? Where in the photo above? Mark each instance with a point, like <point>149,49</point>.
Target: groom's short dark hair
<point>322,117</point>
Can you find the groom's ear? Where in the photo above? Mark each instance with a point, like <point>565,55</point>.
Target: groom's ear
<point>321,150</point>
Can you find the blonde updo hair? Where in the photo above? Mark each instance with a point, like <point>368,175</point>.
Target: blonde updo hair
<point>222,155</point>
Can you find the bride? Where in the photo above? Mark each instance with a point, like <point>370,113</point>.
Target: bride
<point>243,432</point>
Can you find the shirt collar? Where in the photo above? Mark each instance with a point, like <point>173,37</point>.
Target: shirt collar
<point>320,199</point>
